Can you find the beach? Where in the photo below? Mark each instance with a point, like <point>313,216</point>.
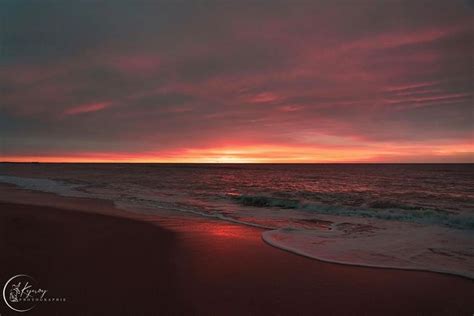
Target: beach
<point>236,158</point>
<point>106,261</point>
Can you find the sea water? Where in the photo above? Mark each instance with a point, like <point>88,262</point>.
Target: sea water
<point>408,216</point>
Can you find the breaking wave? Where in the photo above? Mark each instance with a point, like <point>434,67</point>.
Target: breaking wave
<point>264,201</point>
<point>378,209</point>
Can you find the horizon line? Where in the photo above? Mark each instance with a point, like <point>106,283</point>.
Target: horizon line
<point>237,163</point>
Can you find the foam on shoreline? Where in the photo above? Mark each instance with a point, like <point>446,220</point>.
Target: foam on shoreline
<point>406,247</point>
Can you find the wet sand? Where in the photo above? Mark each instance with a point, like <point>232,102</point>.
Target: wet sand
<point>117,263</point>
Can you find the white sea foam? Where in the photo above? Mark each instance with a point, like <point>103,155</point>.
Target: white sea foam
<point>388,245</point>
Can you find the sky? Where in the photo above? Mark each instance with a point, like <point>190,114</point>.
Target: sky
<point>237,81</point>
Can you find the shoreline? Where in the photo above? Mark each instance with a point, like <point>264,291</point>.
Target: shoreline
<point>103,206</point>
<point>309,256</point>
<point>213,266</point>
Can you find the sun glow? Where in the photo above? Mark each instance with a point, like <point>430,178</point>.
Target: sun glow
<point>264,153</point>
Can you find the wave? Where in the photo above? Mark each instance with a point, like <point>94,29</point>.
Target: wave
<point>264,201</point>
<point>377,209</point>
<point>137,203</point>
<point>389,204</point>
<point>44,185</point>
<point>406,247</point>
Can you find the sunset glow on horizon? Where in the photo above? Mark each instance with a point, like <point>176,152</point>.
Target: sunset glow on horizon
<point>214,82</point>
<point>268,154</point>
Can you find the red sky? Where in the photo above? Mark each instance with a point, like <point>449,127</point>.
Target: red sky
<point>280,81</point>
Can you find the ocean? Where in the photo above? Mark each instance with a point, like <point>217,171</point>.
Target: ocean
<point>406,216</point>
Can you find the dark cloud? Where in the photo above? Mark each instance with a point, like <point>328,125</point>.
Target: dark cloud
<point>124,76</point>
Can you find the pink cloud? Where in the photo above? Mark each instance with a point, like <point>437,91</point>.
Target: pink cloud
<point>411,86</point>
<point>264,97</point>
<point>291,108</point>
<point>87,108</point>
